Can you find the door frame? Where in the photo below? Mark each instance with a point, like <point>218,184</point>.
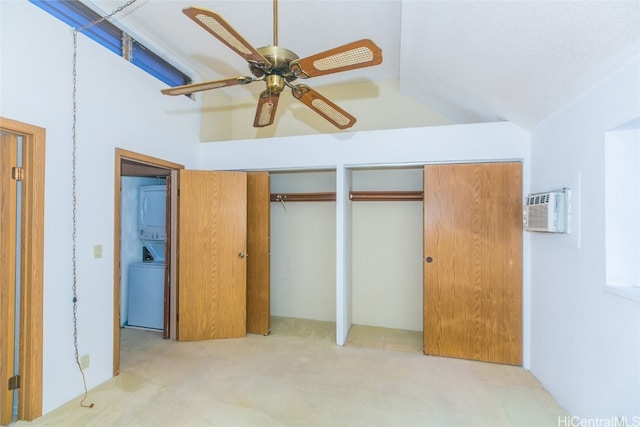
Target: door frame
<point>31,267</point>
<point>144,160</point>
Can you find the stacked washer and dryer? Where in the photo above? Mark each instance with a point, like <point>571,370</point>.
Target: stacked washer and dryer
<point>146,278</point>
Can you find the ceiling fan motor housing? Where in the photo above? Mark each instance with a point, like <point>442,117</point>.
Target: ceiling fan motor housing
<point>279,58</point>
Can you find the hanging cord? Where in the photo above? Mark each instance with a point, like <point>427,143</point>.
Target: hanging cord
<point>74,189</point>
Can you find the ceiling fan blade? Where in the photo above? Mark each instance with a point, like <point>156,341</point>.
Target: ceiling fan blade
<point>358,54</point>
<point>219,28</point>
<point>321,105</point>
<point>266,111</point>
<point>199,87</point>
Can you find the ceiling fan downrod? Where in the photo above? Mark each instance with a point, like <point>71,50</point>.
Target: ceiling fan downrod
<point>275,22</point>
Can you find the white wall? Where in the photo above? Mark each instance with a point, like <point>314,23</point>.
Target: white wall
<point>622,206</point>
<point>303,260</point>
<point>119,105</point>
<point>375,106</point>
<point>387,264</point>
<point>585,342</point>
<point>399,147</point>
<point>344,255</point>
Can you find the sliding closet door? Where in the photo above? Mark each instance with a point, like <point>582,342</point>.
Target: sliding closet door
<point>473,261</point>
<point>212,262</point>
<point>259,260</point>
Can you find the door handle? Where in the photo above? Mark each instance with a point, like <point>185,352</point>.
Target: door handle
<point>429,259</point>
<point>242,255</point>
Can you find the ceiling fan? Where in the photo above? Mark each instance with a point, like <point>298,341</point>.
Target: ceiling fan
<point>279,67</point>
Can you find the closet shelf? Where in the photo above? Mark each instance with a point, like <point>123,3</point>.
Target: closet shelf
<point>385,196</point>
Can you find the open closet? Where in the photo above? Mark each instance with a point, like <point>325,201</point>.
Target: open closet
<point>386,239</point>
<point>303,244</point>
<point>430,253</point>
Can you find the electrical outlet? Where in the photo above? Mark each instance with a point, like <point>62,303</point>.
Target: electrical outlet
<point>84,361</point>
<point>97,251</point>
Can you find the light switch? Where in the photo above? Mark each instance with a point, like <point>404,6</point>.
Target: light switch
<point>97,251</point>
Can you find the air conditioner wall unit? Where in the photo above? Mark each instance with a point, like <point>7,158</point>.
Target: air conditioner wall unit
<point>548,212</point>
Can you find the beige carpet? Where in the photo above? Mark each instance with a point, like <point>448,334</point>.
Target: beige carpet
<point>297,376</point>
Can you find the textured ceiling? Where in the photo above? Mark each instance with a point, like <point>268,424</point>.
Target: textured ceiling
<point>472,61</point>
<point>518,61</point>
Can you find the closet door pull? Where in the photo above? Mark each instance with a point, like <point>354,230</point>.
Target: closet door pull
<point>429,259</point>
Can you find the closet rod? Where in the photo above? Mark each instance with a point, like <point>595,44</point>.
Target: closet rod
<point>303,197</point>
<point>385,196</point>
<point>355,196</point>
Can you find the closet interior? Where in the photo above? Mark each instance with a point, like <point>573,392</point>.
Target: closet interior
<point>385,236</point>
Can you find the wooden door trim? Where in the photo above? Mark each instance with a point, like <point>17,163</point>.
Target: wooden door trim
<point>121,154</point>
<point>31,267</point>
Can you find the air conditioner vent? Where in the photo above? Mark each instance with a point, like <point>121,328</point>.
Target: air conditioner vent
<point>548,212</point>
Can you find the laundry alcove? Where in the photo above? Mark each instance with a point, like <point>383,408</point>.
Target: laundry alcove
<point>131,246</point>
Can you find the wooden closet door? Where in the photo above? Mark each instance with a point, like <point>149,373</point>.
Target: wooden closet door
<point>8,207</point>
<point>259,260</point>
<point>473,261</point>
<point>212,238</point>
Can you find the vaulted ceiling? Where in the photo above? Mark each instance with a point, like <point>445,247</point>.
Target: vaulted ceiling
<point>472,61</point>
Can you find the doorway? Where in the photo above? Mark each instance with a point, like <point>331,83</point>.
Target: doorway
<point>131,164</point>
<point>22,262</point>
